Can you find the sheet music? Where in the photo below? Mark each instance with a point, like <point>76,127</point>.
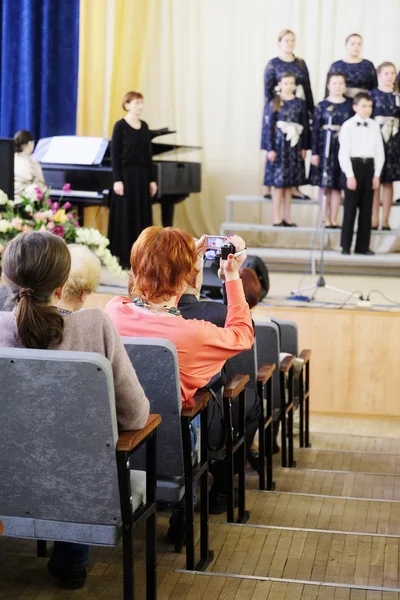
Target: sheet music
<point>72,150</point>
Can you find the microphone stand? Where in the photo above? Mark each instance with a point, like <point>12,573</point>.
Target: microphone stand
<point>321,283</point>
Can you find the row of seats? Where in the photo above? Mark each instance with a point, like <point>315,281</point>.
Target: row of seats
<point>58,429</point>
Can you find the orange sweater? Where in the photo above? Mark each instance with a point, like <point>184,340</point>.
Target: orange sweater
<point>202,347</point>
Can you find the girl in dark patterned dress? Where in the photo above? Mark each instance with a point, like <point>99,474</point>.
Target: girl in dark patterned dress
<point>285,62</point>
<point>359,72</point>
<point>386,113</point>
<point>340,108</point>
<point>286,144</point>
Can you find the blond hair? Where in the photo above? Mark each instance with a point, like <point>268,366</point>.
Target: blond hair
<point>85,272</point>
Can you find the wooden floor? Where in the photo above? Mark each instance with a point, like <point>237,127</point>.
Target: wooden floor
<point>330,531</point>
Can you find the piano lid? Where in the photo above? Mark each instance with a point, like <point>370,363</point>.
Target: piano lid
<point>163,147</point>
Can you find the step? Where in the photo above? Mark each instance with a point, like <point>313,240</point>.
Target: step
<point>249,198</point>
<point>339,484</point>
<point>355,462</point>
<point>355,443</point>
<point>324,513</point>
<point>233,227</point>
<point>245,198</point>
<point>361,559</point>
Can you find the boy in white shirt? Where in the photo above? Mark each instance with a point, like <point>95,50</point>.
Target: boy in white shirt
<point>361,158</point>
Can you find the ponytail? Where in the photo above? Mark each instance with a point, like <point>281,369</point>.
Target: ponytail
<point>39,324</point>
<point>35,264</point>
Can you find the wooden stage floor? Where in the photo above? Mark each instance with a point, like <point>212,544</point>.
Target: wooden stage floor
<point>331,530</point>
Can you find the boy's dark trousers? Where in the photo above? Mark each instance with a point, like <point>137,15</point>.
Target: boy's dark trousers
<point>360,198</point>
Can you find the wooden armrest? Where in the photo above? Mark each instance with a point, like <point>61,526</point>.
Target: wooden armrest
<point>286,364</point>
<point>265,372</point>
<point>129,440</point>
<point>305,355</point>
<point>235,386</point>
<point>201,399</point>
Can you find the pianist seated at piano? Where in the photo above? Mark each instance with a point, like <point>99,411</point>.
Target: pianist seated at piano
<point>134,179</point>
<point>27,171</point>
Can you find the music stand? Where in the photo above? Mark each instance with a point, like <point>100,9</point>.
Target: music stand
<point>321,283</point>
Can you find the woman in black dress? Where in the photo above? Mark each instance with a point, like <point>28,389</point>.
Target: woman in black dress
<point>134,184</point>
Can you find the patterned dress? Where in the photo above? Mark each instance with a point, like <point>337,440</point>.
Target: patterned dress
<point>386,104</point>
<point>342,111</point>
<point>288,168</point>
<point>359,76</point>
<point>273,71</point>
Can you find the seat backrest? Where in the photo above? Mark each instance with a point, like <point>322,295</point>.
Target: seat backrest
<point>268,349</point>
<point>288,336</point>
<point>155,361</point>
<point>244,363</point>
<point>58,432</point>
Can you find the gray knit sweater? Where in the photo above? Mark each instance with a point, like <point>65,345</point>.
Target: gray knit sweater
<point>91,330</point>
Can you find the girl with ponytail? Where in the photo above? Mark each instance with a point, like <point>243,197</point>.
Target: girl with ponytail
<point>36,266</point>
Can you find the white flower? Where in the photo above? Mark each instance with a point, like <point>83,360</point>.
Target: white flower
<point>29,208</point>
<point>10,204</point>
<point>30,192</point>
<point>4,225</point>
<point>3,198</point>
<point>18,200</point>
<point>98,244</point>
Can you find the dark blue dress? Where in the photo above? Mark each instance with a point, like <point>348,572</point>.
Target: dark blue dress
<point>358,75</point>
<point>273,71</point>
<point>288,168</point>
<point>340,114</point>
<point>386,104</point>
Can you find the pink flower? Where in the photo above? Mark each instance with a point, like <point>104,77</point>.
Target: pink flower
<point>76,223</point>
<point>55,207</point>
<point>48,201</point>
<point>27,228</point>
<point>66,187</point>
<point>67,205</point>
<point>38,217</point>
<point>50,225</point>
<point>59,230</point>
<point>69,216</point>
<point>39,193</point>
<point>17,223</point>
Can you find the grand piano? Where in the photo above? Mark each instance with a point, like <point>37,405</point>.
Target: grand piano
<point>85,163</point>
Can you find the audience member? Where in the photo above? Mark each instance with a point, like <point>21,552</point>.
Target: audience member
<point>191,307</point>
<point>83,278</point>
<point>27,170</point>
<point>36,266</point>
<point>163,263</point>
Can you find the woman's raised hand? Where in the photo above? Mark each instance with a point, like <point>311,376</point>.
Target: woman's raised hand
<point>229,269</point>
<point>201,245</point>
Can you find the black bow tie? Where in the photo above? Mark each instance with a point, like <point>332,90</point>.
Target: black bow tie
<point>361,124</point>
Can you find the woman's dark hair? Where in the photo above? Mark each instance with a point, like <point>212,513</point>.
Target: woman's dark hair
<point>21,138</point>
<point>35,264</point>
<point>251,286</point>
<point>277,105</point>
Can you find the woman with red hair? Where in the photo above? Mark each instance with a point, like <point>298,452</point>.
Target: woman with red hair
<point>163,263</point>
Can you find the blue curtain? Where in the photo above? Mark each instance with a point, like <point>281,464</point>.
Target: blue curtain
<point>39,46</point>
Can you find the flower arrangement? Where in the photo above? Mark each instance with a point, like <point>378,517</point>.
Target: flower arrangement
<point>35,211</point>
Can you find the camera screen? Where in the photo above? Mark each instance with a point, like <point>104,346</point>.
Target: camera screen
<point>210,254</point>
<point>215,242</point>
